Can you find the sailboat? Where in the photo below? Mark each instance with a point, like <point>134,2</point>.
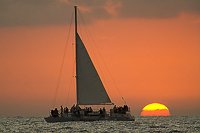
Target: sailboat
<point>89,91</point>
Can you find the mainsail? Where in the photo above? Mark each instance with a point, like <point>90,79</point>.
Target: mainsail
<point>90,89</point>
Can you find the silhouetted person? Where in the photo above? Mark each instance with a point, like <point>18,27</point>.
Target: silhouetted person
<point>72,110</point>
<point>90,109</point>
<point>125,108</point>
<point>61,110</point>
<point>104,112</point>
<point>52,112</point>
<point>66,110</point>
<point>78,113</point>
<point>115,109</point>
<point>101,112</point>
<point>86,110</point>
<point>78,107</point>
<point>56,112</point>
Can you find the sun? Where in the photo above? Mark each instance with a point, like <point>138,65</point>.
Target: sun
<point>155,109</point>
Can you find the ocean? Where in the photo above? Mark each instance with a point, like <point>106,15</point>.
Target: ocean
<point>172,124</point>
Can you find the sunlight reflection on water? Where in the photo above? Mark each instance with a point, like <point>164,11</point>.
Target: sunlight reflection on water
<point>142,124</point>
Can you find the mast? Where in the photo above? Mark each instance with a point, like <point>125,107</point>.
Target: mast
<point>75,22</point>
<point>75,8</point>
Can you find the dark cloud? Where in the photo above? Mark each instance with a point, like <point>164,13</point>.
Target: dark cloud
<point>158,8</point>
<point>33,12</point>
<point>43,12</point>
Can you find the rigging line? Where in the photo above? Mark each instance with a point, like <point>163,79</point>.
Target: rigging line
<point>68,87</point>
<point>104,63</point>
<point>80,29</point>
<point>73,69</point>
<point>73,73</point>
<point>62,63</point>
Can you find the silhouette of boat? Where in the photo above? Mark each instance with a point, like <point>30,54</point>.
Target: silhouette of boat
<point>89,91</point>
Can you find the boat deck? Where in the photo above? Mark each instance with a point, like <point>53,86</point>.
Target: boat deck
<point>70,117</point>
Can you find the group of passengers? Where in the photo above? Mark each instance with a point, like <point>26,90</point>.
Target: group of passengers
<point>75,110</point>
<point>102,112</point>
<point>87,110</point>
<point>54,112</point>
<point>120,109</point>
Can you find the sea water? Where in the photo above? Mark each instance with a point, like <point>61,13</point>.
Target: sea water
<point>172,124</point>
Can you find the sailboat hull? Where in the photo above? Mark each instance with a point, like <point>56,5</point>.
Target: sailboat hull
<point>64,119</point>
<point>124,117</point>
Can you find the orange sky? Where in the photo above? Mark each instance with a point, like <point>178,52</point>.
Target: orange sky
<point>150,59</point>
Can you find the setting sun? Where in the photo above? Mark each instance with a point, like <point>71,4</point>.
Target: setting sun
<point>155,109</point>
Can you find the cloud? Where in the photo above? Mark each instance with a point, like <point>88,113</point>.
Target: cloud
<point>32,12</point>
<point>112,7</point>
<point>54,12</point>
<point>158,8</point>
